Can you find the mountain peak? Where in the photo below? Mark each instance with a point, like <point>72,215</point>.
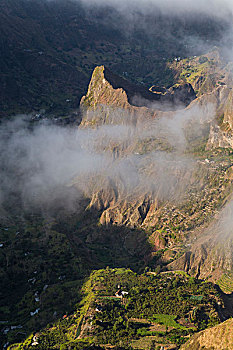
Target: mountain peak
<point>109,88</point>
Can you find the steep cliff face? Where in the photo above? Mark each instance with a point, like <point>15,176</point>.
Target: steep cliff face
<point>209,251</point>
<point>221,132</point>
<point>107,102</point>
<point>108,91</point>
<point>170,197</point>
<point>211,77</point>
<point>101,100</point>
<point>210,255</point>
<point>219,337</point>
<point>110,102</point>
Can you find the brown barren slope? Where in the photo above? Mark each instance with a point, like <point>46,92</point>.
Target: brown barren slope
<point>219,337</point>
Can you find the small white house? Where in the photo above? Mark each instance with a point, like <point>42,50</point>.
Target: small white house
<point>32,313</point>
<point>121,293</point>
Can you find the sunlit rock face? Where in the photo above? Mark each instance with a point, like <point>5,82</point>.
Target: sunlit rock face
<point>141,179</point>
<point>148,163</point>
<point>218,337</point>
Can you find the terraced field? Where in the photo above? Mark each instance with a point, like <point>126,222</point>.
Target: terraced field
<point>226,283</point>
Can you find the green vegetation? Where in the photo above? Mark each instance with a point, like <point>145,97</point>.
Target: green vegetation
<point>204,73</point>
<point>191,73</point>
<point>167,320</point>
<point>160,307</point>
<point>226,282</point>
<point>44,263</point>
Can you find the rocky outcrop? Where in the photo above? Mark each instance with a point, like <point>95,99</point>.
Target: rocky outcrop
<point>214,102</point>
<point>104,104</point>
<point>208,259</point>
<point>210,253</point>
<point>219,106</point>
<point>109,101</point>
<point>129,212</point>
<point>108,91</point>
<point>219,337</point>
<point>221,132</point>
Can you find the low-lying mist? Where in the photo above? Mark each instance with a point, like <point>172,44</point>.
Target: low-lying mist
<point>49,165</point>
<point>213,7</point>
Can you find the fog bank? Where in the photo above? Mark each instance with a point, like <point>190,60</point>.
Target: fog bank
<point>40,163</point>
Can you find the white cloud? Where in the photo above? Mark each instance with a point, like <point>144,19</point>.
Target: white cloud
<point>219,8</point>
